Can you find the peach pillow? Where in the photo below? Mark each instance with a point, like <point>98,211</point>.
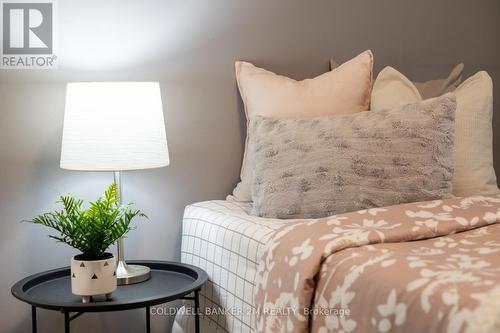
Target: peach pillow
<point>344,90</point>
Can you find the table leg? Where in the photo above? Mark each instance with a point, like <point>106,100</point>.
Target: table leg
<point>197,312</point>
<point>148,319</point>
<point>66,322</point>
<point>33,319</point>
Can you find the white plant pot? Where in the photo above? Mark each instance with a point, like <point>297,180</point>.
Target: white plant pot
<point>93,277</point>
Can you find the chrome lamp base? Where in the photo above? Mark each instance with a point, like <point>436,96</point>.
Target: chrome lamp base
<point>127,274</point>
<point>130,274</point>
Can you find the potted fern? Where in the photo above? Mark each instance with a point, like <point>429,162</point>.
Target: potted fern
<point>91,231</point>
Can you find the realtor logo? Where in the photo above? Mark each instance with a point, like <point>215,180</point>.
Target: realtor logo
<point>28,34</point>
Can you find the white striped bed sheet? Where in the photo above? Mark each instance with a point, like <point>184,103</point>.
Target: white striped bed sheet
<point>223,239</point>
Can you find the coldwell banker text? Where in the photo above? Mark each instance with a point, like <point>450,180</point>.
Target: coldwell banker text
<point>28,34</point>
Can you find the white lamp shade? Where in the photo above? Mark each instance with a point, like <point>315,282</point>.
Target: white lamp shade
<point>113,126</point>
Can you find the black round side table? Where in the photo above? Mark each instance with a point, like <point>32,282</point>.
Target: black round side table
<point>169,281</point>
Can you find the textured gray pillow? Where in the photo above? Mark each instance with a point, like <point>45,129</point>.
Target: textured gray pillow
<point>310,168</point>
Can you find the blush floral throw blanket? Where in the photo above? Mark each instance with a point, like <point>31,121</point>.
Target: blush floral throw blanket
<point>419,267</point>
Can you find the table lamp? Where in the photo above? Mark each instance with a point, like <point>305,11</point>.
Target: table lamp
<point>115,126</point>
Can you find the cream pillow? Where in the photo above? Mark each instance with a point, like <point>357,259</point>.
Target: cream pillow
<point>342,91</point>
<point>473,151</point>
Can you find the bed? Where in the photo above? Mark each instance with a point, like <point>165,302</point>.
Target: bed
<point>432,265</point>
<point>375,221</point>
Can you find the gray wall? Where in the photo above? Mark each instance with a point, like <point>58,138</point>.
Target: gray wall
<point>190,47</point>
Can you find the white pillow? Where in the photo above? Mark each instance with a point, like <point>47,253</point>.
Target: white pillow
<point>432,88</point>
<point>473,152</point>
<point>344,90</point>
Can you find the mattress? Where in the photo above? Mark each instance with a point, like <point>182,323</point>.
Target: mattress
<point>402,266</point>
<point>224,240</point>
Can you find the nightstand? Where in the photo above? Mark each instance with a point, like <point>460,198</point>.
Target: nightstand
<point>169,281</point>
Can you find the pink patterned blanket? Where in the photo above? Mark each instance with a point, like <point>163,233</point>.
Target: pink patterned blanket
<point>420,267</point>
